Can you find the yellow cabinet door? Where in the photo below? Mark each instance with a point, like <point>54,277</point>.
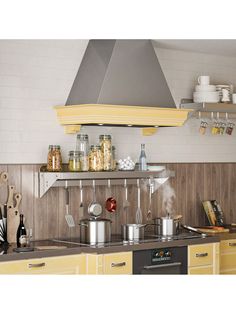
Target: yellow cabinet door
<point>110,264</point>
<point>228,257</point>
<point>71,264</point>
<point>203,259</point>
<point>203,270</point>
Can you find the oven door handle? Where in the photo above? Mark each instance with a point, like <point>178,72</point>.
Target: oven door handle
<point>163,265</point>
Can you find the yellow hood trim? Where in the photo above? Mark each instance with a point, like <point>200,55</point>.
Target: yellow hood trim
<point>99,114</point>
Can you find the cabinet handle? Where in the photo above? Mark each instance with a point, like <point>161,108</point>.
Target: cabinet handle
<point>202,255</point>
<point>118,264</point>
<point>232,244</point>
<point>37,265</point>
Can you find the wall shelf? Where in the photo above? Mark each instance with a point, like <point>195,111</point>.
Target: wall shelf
<point>220,110</point>
<point>46,180</point>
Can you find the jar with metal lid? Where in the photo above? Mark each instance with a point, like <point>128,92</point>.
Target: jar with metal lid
<point>82,145</point>
<point>74,161</point>
<point>54,158</point>
<point>113,157</point>
<point>95,158</point>
<point>105,142</point>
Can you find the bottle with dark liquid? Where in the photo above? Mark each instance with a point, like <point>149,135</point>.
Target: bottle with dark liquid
<point>20,231</point>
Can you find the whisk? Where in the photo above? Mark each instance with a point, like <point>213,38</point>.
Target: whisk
<point>139,216</point>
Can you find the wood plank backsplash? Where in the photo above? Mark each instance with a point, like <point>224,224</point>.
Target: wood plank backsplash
<point>193,183</point>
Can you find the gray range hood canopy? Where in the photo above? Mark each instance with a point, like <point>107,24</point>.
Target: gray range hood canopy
<point>120,72</point>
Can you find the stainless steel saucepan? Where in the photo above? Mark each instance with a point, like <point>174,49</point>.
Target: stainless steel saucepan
<point>133,232</point>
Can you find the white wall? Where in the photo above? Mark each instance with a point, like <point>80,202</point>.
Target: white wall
<point>36,75</point>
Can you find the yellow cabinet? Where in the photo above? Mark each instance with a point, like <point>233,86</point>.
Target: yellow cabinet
<point>110,264</point>
<point>70,264</point>
<point>228,257</point>
<point>203,259</point>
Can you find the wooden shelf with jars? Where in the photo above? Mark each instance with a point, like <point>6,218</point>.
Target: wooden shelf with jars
<point>45,179</point>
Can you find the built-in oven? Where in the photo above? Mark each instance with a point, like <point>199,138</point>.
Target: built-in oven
<point>164,261</point>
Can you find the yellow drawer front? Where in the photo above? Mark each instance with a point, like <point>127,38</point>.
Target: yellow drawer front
<point>227,262</point>
<point>200,255</point>
<point>228,246</point>
<point>207,270</point>
<point>228,272</point>
<point>117,263</point>
<point>74,264</point>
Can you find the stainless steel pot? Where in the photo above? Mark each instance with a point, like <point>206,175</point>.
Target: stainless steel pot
<point>95,230</point>
<point>132,232</point>
<point>166,226</point>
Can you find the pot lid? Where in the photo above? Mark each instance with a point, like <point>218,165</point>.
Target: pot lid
<point>94,219</point>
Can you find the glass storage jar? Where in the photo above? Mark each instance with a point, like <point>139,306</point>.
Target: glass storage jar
<point>82,145</point>
<point>74,161</point>
<point>95,158</point>
<point>105,142</point>
<point>54,158</point>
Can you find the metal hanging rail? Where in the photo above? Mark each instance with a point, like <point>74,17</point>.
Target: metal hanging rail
<point>45,180</point>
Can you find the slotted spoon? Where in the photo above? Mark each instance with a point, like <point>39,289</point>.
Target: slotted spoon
<point>69,218</point>
<point>139,216</point>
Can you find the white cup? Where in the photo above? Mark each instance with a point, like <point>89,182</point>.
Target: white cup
<point>234,98</point>
<point>203,80</point>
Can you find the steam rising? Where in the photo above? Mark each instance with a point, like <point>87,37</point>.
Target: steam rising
<point>168,198</point>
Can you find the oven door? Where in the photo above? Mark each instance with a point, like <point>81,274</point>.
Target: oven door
<point>165,261</point>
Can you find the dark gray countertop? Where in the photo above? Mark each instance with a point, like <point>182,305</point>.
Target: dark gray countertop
<point>61,250</point>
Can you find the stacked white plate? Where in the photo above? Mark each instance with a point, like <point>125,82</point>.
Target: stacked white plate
<point>206,93</point>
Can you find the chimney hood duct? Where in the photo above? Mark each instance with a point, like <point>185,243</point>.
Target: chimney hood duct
<point>120,83</point>
<point>119,72</point>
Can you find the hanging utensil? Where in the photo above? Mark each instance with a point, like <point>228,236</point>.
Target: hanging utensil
<point>94,208</point>
<point>69,218</point>
<point>139,216</point>
<point>126,203</point>
<point>111,201</point>
<point>151,190</point>
<point>81,207</point>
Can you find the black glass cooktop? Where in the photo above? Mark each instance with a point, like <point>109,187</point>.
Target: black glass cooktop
<point>117,240</point>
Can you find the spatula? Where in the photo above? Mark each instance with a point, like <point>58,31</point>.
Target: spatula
<point>69,218</point>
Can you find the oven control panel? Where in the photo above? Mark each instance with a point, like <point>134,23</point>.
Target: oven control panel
<point>161,255</point>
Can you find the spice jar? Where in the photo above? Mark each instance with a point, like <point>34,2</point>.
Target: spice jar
<point>82,145</point>
<point>105,142</point>
<point>74,161</point>
<point>54,158</point>
<point>113,157</point>
<point>95,158</point>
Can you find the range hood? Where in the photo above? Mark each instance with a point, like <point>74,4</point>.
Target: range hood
<point>120,83</point>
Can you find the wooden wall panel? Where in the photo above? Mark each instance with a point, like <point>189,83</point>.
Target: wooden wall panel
<point>192,183</point>
<point>199,195</point>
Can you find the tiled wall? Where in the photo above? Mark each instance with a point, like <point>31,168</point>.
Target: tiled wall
<point>36,75</point>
